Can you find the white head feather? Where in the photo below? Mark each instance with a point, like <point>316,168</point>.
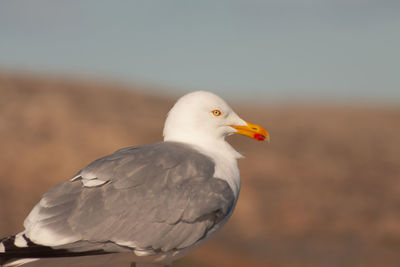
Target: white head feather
<point>191,119</point>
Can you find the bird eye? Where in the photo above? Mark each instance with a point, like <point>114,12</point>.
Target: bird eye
<point>216,112</point>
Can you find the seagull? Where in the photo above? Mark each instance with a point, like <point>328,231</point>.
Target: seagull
<point>147,205</point>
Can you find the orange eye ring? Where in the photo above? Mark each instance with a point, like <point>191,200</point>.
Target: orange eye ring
<point>216,112</point>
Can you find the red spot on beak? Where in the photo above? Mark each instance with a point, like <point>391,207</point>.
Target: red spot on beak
<point>259,137</point>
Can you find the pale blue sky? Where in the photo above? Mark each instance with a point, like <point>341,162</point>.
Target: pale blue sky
<point>277,49</point>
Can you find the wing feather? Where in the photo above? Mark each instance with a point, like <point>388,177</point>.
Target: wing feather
<point>155,197</point>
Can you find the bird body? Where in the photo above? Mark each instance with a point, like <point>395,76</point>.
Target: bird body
<point>151,203</point>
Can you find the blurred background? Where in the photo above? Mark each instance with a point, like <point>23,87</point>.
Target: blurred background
<point>80,79</point>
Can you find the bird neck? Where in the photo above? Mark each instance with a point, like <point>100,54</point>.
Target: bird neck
<point>208,145</point>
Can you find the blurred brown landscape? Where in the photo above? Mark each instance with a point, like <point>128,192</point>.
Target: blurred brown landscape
<point>325,192</point>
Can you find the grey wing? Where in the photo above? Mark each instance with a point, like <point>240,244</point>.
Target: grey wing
<point>158,197</point>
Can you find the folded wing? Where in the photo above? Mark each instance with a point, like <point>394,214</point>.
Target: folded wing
<point>152,198</point>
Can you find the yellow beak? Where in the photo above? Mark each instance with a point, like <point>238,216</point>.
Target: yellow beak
<point>254,131</point>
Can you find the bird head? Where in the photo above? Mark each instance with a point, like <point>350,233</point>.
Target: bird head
<point>203,115</point>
